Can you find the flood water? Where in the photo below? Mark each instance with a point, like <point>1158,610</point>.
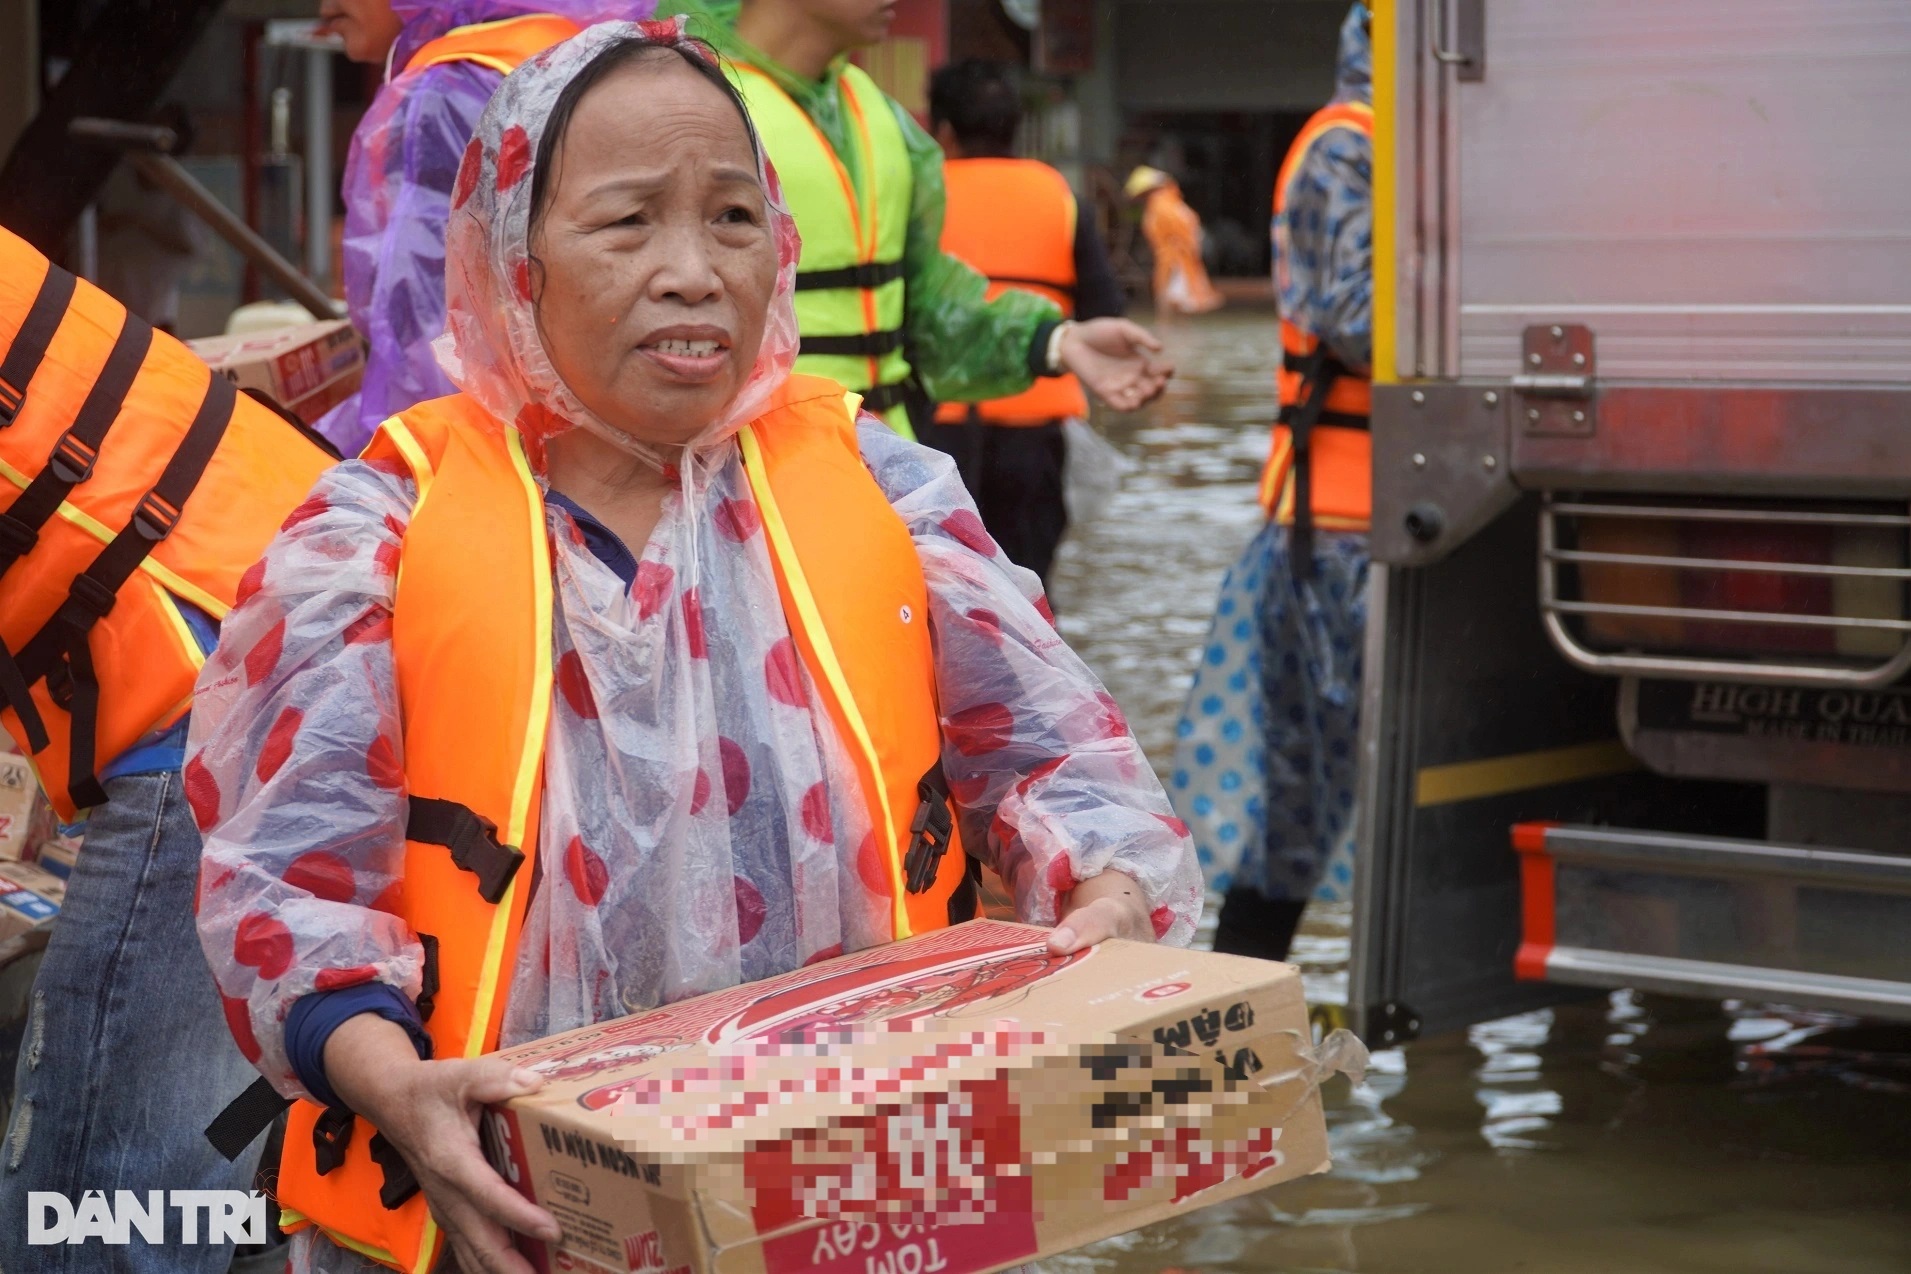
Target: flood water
<point>1622,1134</point>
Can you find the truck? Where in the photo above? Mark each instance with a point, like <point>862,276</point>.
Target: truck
<point>1636,709</point>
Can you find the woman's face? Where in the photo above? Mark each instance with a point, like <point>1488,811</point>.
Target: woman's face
<point>653,258</point>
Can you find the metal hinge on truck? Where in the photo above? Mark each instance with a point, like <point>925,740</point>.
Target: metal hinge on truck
<point>1553,390</point>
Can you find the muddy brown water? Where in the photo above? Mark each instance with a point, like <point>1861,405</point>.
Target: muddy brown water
<point>1622,1134</point>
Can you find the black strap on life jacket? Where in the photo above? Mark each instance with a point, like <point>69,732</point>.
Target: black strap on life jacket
<point>61,651</point>
<point>862,345</point>
<point>245,1117</point>
<point>472,840</point>
<point>31,341</point>
<point>78,448</point>
<point>870,274</point>
<point>400,1181</point>
<point>1318,371</point>
<point>930,832</point>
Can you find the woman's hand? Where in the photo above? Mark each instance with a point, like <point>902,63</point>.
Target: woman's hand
<point>1109,905</point>
<point>1116,360</point>
<point>429,1111</point>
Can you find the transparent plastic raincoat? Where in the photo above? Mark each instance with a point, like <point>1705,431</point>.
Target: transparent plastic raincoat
<point>1266,756</point>
<point>397,191</point>
<point>700,820</point>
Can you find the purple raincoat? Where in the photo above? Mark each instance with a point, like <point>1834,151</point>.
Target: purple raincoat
<point>397,188</point>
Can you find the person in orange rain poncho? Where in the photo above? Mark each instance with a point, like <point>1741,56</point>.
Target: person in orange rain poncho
<point>1173,231</point>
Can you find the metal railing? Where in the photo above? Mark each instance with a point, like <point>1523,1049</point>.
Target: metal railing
<point>1556,606</point>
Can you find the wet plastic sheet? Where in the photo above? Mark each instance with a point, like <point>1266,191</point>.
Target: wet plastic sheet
<point>1093,472</point>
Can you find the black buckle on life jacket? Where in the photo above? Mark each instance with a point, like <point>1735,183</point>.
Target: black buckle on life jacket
<point>428,979</point>
<point>472,840</point>
<point>72,460</point>
<point>16,537</point>
<point>11,401</point>
<point>331,1134</point>
<point>154,518</point>
<point>400,1181</point>
<point>930,832</point>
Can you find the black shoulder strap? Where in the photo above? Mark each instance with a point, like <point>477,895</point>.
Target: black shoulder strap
<point>70,464</point>
<point>74,455</point>
<point>1318,374</point>
<point>244,1118</point>
<point>31,341</point>
<point>472,840</point>
<point>67,636</point>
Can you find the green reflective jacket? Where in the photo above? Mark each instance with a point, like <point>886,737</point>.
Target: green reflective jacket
<point>964,348</point>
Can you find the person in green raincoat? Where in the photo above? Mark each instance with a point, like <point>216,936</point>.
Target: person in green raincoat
<point>880,306</point>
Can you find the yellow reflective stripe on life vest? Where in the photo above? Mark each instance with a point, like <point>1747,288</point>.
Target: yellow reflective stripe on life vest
<point>171,580</point>
<point>811,618</point>
<point>524,787</point>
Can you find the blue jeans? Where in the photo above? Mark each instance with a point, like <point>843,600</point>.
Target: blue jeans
<point>127,1057</point>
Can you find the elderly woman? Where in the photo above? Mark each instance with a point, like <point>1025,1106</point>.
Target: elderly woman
<point>636,669</point>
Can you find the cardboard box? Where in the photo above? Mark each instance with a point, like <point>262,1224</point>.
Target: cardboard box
<point>29,898</point>
<point>308,369</point>
<point>957,1103</point>
<point>57,854</point>
<point>19,807</point>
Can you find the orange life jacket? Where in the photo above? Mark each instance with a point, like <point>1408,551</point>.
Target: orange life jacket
<point>1014,221</point>
<point>471,635</point>
<point>1340,448</point>
<point>503,46</point>
<point>133,476</point>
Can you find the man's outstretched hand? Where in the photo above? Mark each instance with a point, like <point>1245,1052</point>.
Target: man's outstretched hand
<point>1118,362</point>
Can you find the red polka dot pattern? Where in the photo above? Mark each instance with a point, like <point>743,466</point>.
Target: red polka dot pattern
<point>981,729</point>
<point>339,979</point>
<point>783,671</point>
<point>249,583</point>
<point>751,910</point>
<point>1173,824</point>
<point>323,875</point>
<point>737,519</point>
<point>574,686</point>
<point>699,793</point>
<point>586,871</point>
<point>381,762</point>
<point>1061,874</point>
<point>872,866</point>
<point>264,944</point>
<point>239,1022</point>
<point>313,506</point>
<point>371,628</point>
<point>468,172</point>
<point>277,748</point>
<point>693,626</point>
<point>264,657</point>
<point>816,820</point>
<point>736,774</point>
<point>1162,918</point>
<point>651,588</point>
<point>514,157</point>
<point>202,794</point>
<point>967,529</point>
